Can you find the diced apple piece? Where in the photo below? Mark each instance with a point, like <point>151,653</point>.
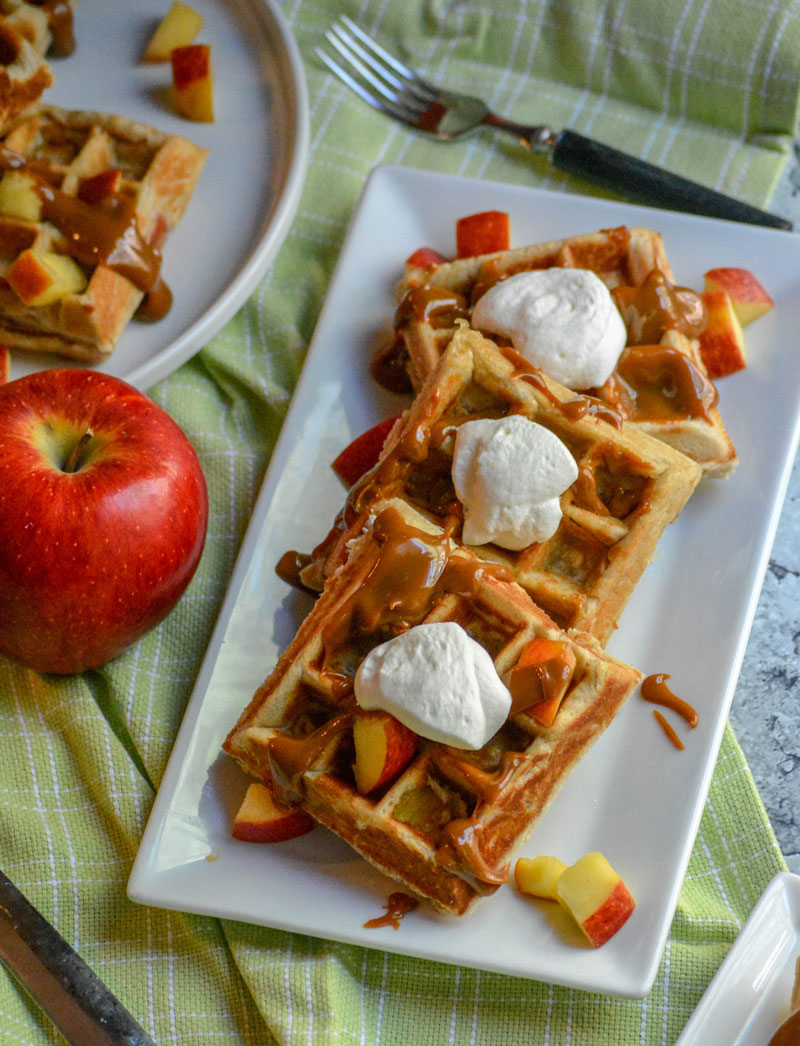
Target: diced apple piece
<point>596,896</point>
<point>424,258</point>
<point>99,186</point>
<point>193,81</point>
<point>483,233</point>
<point>539,680</point>
<point>40,279</point>
<point>747,295</point>
<point>19,198</point>
<point>359,456</point>
<point>260,820</point>
<point>538,876</point>
<point>722,343</point>
<point>178,28</point>
<point>384,746</point>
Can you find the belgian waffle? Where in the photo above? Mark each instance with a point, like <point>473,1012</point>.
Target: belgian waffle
<point>122,233</point>
<point>629,487</point>
<point>431,299</point>
<point>447,826</point>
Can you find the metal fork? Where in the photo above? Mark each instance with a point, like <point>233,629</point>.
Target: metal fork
<point>389,85</point>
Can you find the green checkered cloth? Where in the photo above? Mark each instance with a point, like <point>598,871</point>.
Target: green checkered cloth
<point>706,87</point>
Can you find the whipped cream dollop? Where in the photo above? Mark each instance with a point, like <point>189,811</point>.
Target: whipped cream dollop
<point>439,682</point>
<point>563,320</point>
<point>508,474</point>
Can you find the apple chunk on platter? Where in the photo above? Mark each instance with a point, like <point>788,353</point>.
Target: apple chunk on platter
<point>660,792</point>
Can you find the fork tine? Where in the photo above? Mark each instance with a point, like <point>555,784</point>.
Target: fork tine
<point>385,84</point>
<point>383,104</point>
<point>412,80</point>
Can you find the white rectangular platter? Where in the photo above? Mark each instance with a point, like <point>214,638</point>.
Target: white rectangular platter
<point>634,796</point>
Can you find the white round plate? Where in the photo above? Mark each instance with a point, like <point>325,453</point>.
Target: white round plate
<point>250,187</point>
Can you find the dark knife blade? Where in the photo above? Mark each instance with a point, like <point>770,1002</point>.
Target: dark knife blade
<point>82,1008</point>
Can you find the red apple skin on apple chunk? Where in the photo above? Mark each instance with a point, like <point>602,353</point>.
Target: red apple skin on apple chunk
<point>260,819</point>
<point>103,516</point>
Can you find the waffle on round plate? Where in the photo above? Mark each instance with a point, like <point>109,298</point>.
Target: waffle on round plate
<point>447,826</point>
<point>104,191</point>
<point>660,382</point>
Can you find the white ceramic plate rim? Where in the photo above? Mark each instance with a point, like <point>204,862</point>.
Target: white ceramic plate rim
<point>646,820</point>
<point>261,105</point>
<point>748,997</point>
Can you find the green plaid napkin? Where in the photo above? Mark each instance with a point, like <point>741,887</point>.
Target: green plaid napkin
<point>707,87</point>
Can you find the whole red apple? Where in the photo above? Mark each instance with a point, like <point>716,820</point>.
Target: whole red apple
<point>103,515</point>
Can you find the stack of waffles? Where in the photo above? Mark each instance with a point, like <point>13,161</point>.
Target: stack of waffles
<point>86,201</point>
<point>447,824</point>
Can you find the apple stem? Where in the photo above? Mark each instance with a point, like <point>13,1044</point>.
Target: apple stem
<point>74,458</point>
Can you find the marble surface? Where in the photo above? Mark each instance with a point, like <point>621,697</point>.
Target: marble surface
<point>765,714</point>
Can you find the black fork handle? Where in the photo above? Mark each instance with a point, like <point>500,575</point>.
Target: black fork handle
<point>645,183</point>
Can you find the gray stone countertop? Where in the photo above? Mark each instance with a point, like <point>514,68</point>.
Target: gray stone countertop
<point>765,714</point>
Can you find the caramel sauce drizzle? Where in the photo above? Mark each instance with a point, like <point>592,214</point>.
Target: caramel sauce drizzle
<point>584,405</point>
<point>658,383</point>
<point>409,568</point>
<point>397,906</point>
<point>461,845</point>
<point>665,726</point>
<point>486,784</point>
<point>59,20</point>
<point>655,690</point>
<point>461,838</point>
<point>574,409</point>
<point>537,683</point>
<point>438,306</point>
<point>291,757</point>
<point>389,369</point>
<point>102,233</point>
<point>290,566</point>
<point>656,306</point>
<point>585,488</point>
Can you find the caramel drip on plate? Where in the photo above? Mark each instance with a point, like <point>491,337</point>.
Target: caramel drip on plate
<point>397,906</point>
<point>290,566</point>
<point>655,690</point>
<point>668,729</point>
